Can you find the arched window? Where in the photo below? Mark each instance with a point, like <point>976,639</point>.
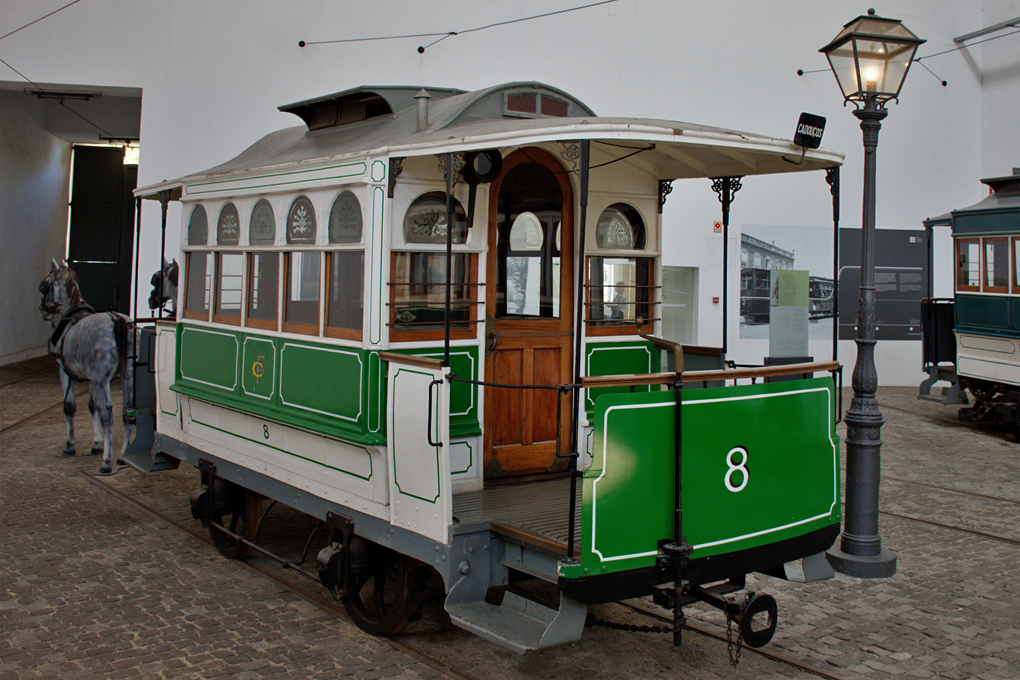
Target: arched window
<point>425,221</point>
<point>345,269</point>
<point>263,268</point>
<point>301,271</point>
<point>198,267</point>
<point>229,267</point>
<point>345,219</point>
<point>619,284</point>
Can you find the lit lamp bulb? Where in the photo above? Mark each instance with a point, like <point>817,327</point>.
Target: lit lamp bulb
<point>871,79</point>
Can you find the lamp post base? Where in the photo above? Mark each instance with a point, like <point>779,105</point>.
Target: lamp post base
<point>882,565</point>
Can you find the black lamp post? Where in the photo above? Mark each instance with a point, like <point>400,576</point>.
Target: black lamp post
<point>870,58</point>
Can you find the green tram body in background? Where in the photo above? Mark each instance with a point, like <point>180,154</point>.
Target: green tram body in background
<point>376,435</point>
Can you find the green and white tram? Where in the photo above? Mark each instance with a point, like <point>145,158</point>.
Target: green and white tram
<point>429,319</point>
<point>972,341</point>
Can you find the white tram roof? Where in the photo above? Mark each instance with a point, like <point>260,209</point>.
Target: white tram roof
<point>385,124</point>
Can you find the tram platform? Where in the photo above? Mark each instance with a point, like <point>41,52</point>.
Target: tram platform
<point>94,586</point>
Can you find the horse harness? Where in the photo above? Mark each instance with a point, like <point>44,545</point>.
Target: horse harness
<point>66,323</point>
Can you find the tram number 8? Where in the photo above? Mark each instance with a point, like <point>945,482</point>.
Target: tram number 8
<point>265,431</point>
<point>734,467</point>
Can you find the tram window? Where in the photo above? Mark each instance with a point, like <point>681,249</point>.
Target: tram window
<point>996,265</point>
<point>197,286</point>
<point>619,288</point>
<point>198,227</point>
<point>345,298</point>
<point>619,291</point>
<point>1016,261</point>
<point>263,288</point>
<point>301,299</point>
<point>418,295</point>
<point>425,221</point>
<point>968,264</point>
<point>228,288</point>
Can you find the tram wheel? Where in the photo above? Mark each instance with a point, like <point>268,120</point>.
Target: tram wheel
<point>383,596</point>
<point>241,516</point>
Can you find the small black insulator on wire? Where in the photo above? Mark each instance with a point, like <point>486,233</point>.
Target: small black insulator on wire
<point>301,43</point>
<point>800,72</point>
<point>421,50</point>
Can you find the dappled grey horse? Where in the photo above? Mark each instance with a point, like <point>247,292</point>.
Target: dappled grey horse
<point>88,346</point>
<point>164,287</point>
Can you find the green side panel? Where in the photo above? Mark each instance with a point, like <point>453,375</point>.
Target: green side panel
<point>760,464</point>
<point>618,358</point>
<point>330,390</point>
<point>209,357</point>
<point>327,381</point>
<point>258,368</point>
<point>988,314</point>
<point>463,396</point>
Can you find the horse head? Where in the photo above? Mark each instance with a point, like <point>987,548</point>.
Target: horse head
<point>59,291</point>
<point>164,286</point>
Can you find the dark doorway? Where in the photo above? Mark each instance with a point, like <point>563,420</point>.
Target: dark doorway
<point>100,239</point>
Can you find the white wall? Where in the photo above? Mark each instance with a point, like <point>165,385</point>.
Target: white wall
<point>213,73</point>
<point>33,222</point>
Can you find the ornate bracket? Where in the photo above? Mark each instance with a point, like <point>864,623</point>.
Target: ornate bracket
<point>665,187</point>
<point>458,163</point>
<point>396,167</point>
<point>726,187</point>
<point>571,154</point>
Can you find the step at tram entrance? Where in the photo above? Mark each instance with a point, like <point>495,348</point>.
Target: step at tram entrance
<point>529,314</point>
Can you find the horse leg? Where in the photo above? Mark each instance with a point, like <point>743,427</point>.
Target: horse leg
<point>67,385</point>
<point>100,393</point>
<point>97,427</point>
<point>127,380</point>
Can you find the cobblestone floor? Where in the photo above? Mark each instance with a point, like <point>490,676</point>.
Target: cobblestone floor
<point>91,587</point>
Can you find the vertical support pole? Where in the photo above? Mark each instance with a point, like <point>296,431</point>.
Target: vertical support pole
<point>680,550</point>
<point>164,201</point>
<point>578,337</point>
<point>725,187</point>
<point>449,255</point>
<point>832,177</point>
<point>860,553</point>
<point>138,238</point>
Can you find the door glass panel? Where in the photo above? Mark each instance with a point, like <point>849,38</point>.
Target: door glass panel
<point>528,269</point>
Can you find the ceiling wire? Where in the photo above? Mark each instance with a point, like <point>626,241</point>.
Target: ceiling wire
<point>40,19</point>
<point>58,101</point>
<point>446,34</point>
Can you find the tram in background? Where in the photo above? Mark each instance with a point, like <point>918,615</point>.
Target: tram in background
<point>972,341</point>
<point>756,301</point>
<point>428,319</point>
<point>821,301</point>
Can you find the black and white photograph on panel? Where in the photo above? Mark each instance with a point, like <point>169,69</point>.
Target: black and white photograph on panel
<point>766,250</point>
<point>901,275</point>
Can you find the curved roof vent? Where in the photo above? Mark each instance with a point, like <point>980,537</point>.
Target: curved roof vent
<point>361,103</point>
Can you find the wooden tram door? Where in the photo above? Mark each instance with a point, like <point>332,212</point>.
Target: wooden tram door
<point>529,314</point>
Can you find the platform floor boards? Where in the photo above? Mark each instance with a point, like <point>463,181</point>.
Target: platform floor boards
<point>539,507</point>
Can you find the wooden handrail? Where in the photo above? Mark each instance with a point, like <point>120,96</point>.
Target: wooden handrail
<point>640,379</point>
<point>411,360</point>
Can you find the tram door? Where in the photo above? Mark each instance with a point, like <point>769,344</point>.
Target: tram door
<point>529,317</point>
